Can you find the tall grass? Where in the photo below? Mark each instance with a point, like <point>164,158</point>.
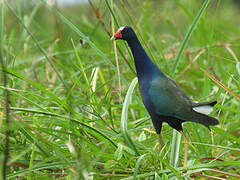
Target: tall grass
<point>67,120</point>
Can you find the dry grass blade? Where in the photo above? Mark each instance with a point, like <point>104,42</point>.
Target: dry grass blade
<point>227,46</point>
<point>194,59</point>
<point>216,171</point>
<point>207,176</point>
<point>218,157</point>
<point>225,173</point>
<point>116,57</point>
<point>98,16</point>
<point>220,84</point>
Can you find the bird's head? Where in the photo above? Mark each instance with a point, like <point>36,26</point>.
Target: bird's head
<point>124,33</point>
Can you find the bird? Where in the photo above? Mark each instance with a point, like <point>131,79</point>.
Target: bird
<point>163,98</point>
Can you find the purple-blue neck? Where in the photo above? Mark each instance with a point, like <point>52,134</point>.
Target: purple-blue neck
<point>145,68</point>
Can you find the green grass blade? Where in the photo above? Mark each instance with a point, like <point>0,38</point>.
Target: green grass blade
<point>227,135</point>
<point>189,34</point>
<point>6,99</point>
<point>173,169</point>
<point>37,85</point>
<point>37,44</point>
<point>238,68</point>
<point>175,146</point>
<point>29,177</point>
<point>217,146</point>
<point>28,23</point>
<point>137,166</point>
<point>124,116</point>
<point>53,166</point>
<point>29,136</point>
<point>84,38</point>
<point>199,166</point>
<point>111,11</point>
<point>66,117</point>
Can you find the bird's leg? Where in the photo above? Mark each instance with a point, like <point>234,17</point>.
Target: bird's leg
<point>185,149</point>
<point>159,143</point>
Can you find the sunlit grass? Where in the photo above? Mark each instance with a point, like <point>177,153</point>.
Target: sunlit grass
<point>67,118</point>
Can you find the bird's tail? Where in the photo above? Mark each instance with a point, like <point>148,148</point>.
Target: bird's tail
<point>201,111</point>
<point>205,119</point>
<point>197,104</point>
<point>204,107</point>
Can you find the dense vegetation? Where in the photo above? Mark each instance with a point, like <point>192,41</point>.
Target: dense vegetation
<point>74,116</point>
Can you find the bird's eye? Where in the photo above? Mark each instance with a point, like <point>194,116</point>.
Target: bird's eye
<point>125,30</point>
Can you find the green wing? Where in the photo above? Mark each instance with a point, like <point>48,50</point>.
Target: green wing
<point>168,99</point>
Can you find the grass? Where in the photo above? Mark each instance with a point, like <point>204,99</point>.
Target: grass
<point>70,120</point>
